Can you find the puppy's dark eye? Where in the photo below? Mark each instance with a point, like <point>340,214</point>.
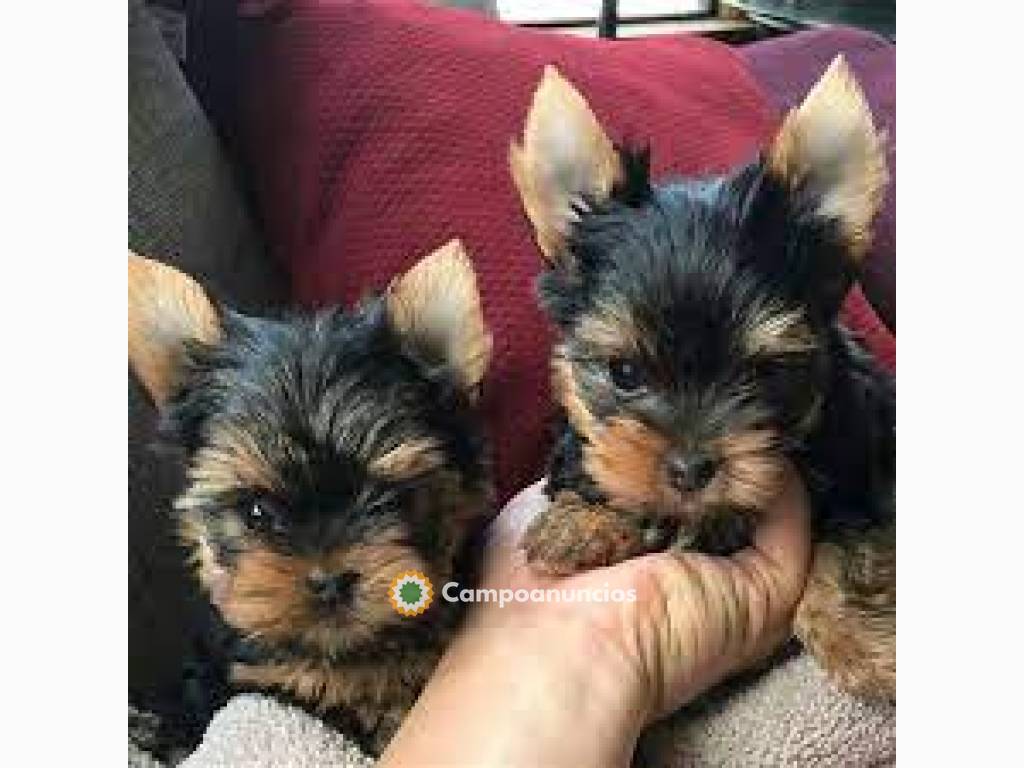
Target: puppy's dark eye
<point>265,515</point>
<point>627,375</point>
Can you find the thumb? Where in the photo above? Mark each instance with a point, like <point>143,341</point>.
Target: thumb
<point>723,614</point>
<point>779,558</point>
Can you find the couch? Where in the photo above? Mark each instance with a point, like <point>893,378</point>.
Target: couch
<point>193,203</point>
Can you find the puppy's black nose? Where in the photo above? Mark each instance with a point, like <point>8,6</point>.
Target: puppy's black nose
<point>688,472</point>
<point>332,588</point>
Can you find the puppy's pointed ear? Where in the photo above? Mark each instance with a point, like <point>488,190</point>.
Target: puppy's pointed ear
<point>435,307</point>
<point>565,159</point>
<point>166,309</point>
<point>829,152</point>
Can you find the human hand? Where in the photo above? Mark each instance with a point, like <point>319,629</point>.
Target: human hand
<point>696,618</point>
<point>559,683</point>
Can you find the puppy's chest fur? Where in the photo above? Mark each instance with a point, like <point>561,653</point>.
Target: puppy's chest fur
<point>364,693</point>
<point>366,697</point>
<point>369,684</point>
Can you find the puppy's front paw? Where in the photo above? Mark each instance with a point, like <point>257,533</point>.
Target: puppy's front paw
<point>847,616</point>
<point>572,535</point>
<point>723,532</point>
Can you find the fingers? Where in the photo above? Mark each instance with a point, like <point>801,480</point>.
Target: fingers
<point>768,577</point>
<point>718,615</point>
<point>511,523</point>
<point>697,618</point>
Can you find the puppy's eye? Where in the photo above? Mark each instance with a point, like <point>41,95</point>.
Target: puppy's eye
<point>266,515</point>
<point>627,375</point>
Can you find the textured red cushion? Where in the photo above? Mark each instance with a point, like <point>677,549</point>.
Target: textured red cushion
<point>377,131</point>
<point>859,316</point>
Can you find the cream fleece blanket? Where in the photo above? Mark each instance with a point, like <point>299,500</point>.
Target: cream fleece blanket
<point>791,716</point>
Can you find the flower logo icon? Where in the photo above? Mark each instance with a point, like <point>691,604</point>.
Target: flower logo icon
<point>411,593</point>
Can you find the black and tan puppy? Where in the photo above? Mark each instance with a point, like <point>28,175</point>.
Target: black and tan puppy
<point>329,456</point>
<point>698,348</point>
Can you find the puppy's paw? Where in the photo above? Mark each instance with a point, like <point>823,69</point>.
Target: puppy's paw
<point>847,616</point>
<point>572,535</point>
<point>720,533</point>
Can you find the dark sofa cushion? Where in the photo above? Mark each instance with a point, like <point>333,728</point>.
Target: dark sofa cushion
<point>373,132</point>
<point>184,209</point>
<point>787,66</point>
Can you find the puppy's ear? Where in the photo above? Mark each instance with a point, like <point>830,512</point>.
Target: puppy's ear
<point>435,307</point>
<point>565,159</point>
<point>829,153</point>
<point>166,309</point>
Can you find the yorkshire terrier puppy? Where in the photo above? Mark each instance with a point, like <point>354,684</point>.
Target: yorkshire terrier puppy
<point>698,348</point>
<point>329,457</point>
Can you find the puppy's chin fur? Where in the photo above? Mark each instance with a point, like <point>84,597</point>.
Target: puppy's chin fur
<point>327,454</point>
<point>699,351</point>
